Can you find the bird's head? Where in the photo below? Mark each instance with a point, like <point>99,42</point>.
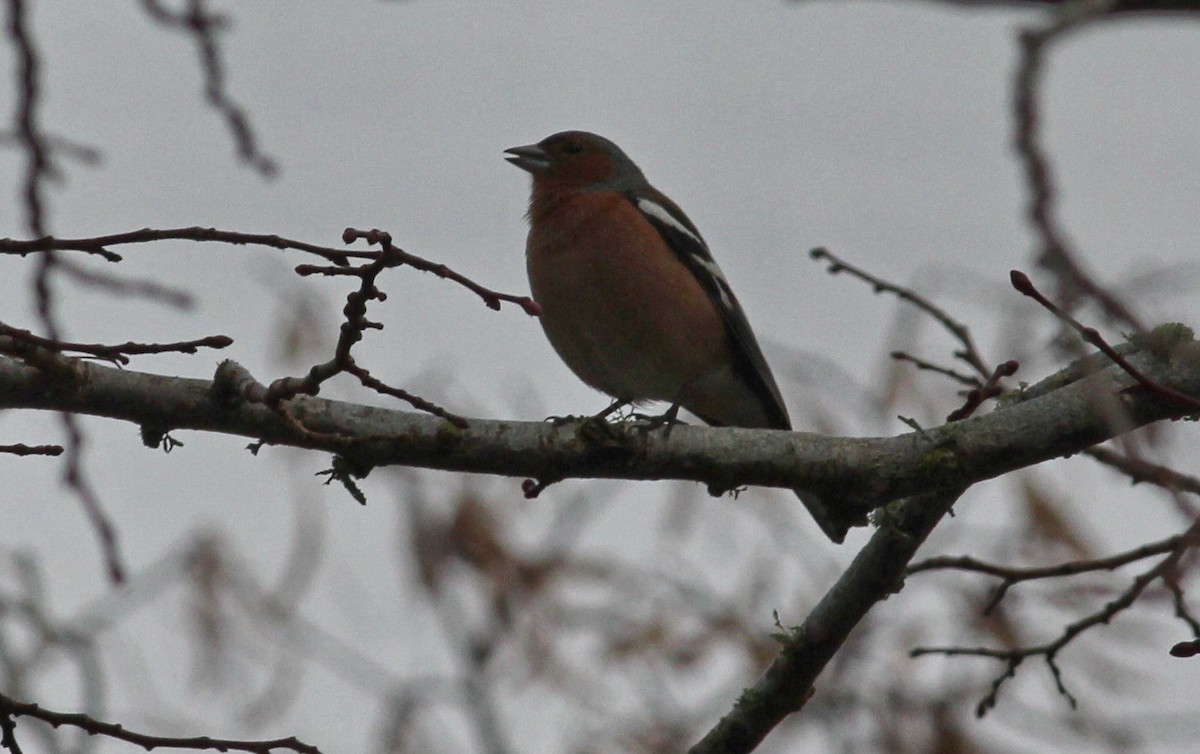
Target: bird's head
<point>577,160</point>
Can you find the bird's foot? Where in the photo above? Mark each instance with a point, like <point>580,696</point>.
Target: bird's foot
<point>666,421</point>
<point>602,416</point>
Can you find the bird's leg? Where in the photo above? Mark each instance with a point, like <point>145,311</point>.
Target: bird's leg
<point>667,419</point>
<point>615,406</point>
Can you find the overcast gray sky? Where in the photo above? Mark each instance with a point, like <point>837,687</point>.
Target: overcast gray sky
<point>881,130</point>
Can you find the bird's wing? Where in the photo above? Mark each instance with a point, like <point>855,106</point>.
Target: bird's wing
<point>683,238</point>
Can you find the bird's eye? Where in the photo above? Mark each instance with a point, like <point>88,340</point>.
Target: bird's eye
<point>573,147</point>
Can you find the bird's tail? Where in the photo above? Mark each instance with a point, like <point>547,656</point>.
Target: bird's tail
<point>833,522</point>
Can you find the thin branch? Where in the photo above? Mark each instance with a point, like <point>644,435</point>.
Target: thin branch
<point>1145,471</point>
<point>1012,658</point>
<point>85,154</point>
<point>351,332</point>
<point>1055,254</point>
<point>32,450</point>
<point>398,256</point>
<point>28,131</point>
<point>10,708</point>
<point>1016,574</point>
<point>8,733</point>
<point>203,28</point>
<point>969,353</point>
<point>118,353</point>
<point>1171,582</point>
<point>341,257</point>
<point>1021,282</point>
<point>353,328</point>
<point>1011,576</point>
<point>969,380</point>
<point>146,289</point>
<point>98,245</point>
<point>356,324</point>
<point>993,388</point>
<point>416,401</point>
<point>37,171</point>
<point>75,478</point>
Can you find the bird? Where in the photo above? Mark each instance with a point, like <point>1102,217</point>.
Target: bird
<point>631,298</point>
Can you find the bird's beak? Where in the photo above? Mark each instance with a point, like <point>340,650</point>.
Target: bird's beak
<point>530,157</point>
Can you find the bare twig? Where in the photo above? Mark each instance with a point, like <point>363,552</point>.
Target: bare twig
<point>969,352</point>
<point>85,154</point>
<point>118,353</point>
<point>928,366</point>
<point>28,130</point>
<point>1021,282</point>
<point>8,733</point>
<point>1011,576</point>
<point>203,27</point>
<point>356,323</point>
<point>147,289</point>
<point>1171,582</point>
<point>416,401</point>
<point>78,481</point>
<point>1055,254</point>
<point>32,450</point>
<point>341,257</point>
<point>398,256</point>
<point>990,389</point>
<point>10,708</point>
<point>352,330</point>
<point>1144,471</point>
<point>1012,658</point>
<point>37,172</point>
<point>98,245</point>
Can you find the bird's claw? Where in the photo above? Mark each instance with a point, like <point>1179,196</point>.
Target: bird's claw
<point>666,421</point>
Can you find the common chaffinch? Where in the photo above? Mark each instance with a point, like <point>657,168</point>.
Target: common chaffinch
<point>631,297</point>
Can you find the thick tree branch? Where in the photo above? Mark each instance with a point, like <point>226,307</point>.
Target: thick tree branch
<point>877,571</point>
<point>857,473</point>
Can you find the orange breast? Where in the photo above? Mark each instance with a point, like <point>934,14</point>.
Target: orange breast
<point>623,313</point>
